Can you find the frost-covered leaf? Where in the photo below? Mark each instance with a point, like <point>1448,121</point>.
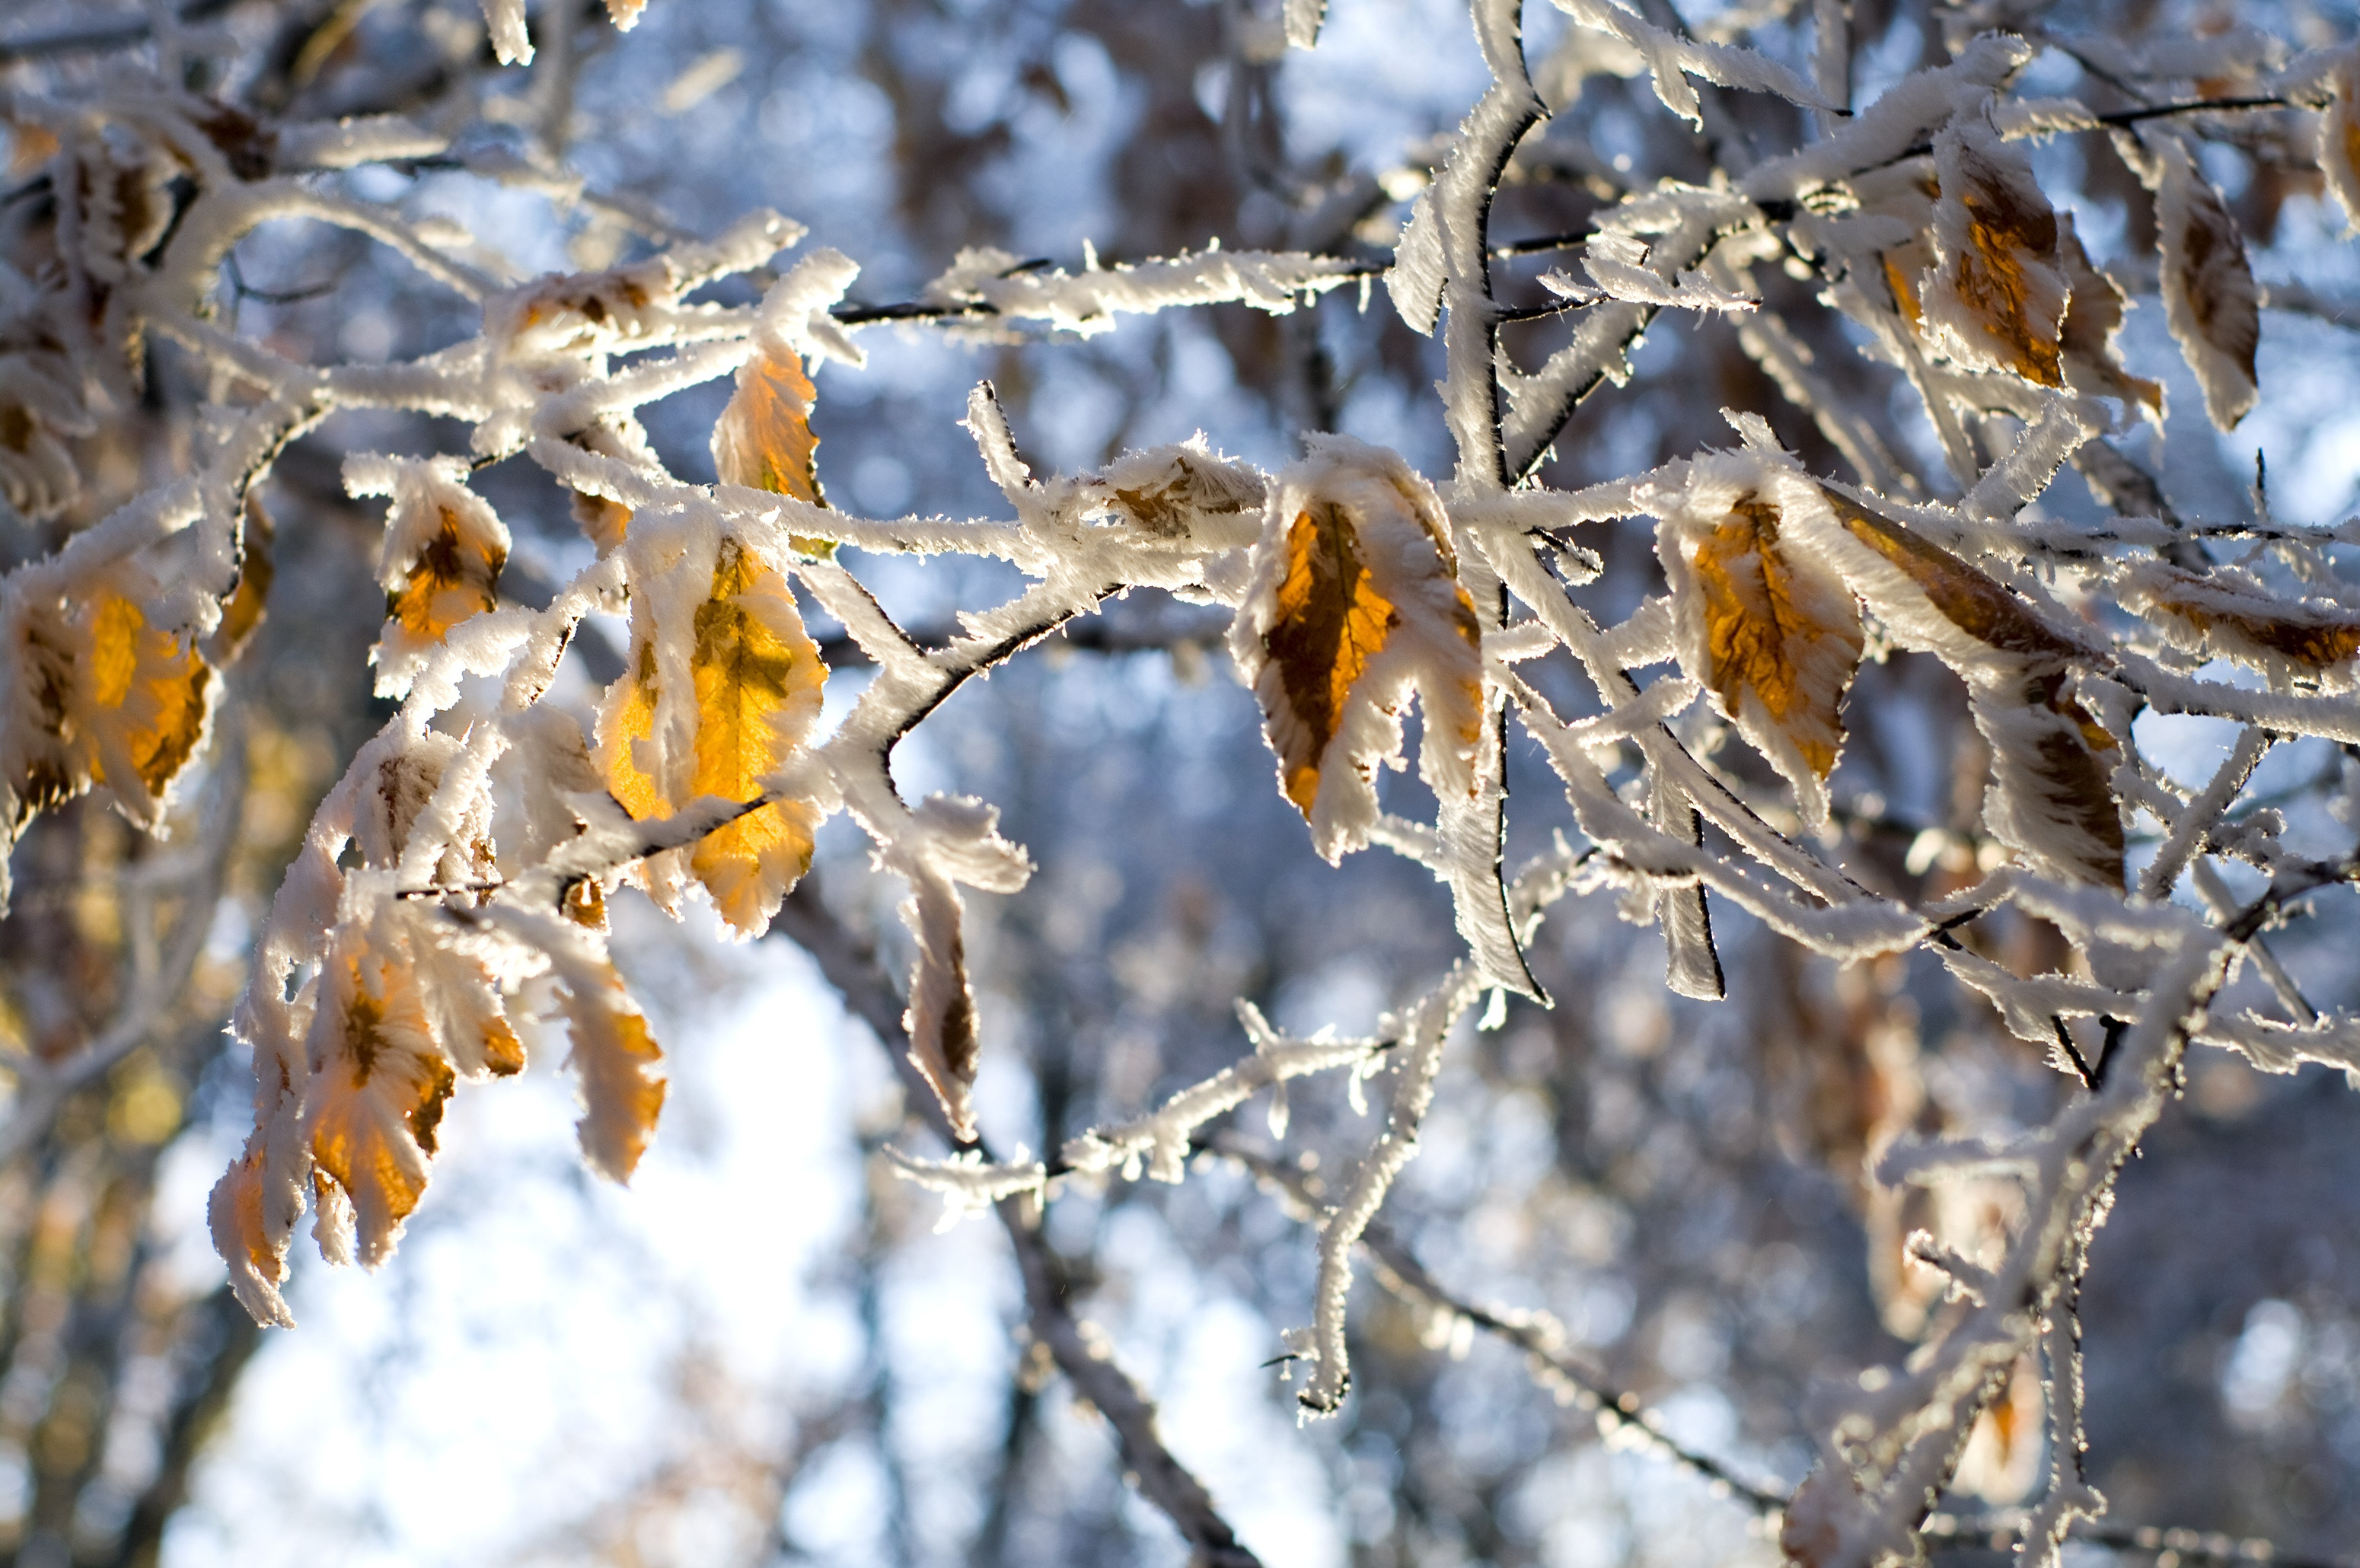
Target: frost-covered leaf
<point>1186,494</point>
<point>2228,615</point>
<point>1766,624</point>
<point>763,439</point>
<point>1935,601</point>
<point>440,564</point>
<point>377,1087</point>
<point>755,689</point>
<point>40,410</point>
<point>99,697</point>
<point>2339,139</point>
<point>1995,297</point>
<point>2051,798</point>
<point>1355,602</point>
<point>618,1061</point>
<point>2209,297</point>
<point>241,1233</point>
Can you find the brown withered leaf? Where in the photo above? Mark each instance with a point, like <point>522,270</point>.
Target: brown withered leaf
<point>1963,596</point>
<point>2210,300</point>
<point>1331,621</point>
<point>757,688</point>
<point>2052,796</point>
<point>1995,297</point>
<point>376,1092</point>
<point>1781,639</point>
<point>2235,617</point>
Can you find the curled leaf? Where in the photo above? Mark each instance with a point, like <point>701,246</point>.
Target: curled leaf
<point>616,1060</point>
<point>2051,796</point>
<point>1356,602</point>
<point>763,439</point>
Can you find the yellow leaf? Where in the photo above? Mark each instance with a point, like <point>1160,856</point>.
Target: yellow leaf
<point>454,577</point>
<point>243,611</point>
<point>616,1060</point>
<point>376,1092</point>
<point>1782,638</point>
<point>758,680</point>
<point>764,442</point>
<point>1331,621</point>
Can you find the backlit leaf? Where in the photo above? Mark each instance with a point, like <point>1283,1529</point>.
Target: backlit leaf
<point>247,603</point>
<point>763,439</point>
<point>1768,627</point>
<point>758,680</point>
<point>1356,602</point>
<point>440,565</point>
<point>617,1061</point>
<point>377,1091</point>
<point>2339,141</point>
<point>1963,600</point>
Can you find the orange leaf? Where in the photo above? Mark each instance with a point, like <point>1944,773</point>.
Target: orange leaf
<point>1964,596</point>
<point>616,1060</point>
<point>758,680</point>
<point>2229,615</point>
<point>377,1091</point>
<point>1773,634</point>
<point>455,576</point>
<point>763,439</point>
<point>1356,602</point>
<point>247,603</point>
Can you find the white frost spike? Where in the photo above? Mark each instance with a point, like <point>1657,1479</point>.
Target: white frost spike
<point>2209,297</point>
<point>795,321</point>
<point>1087,303</point>
<point>512,45</point>
<point>1671,59</point>
<point>1354,602</point>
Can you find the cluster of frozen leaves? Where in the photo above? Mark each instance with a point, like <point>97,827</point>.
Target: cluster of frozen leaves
<point>449,897</point>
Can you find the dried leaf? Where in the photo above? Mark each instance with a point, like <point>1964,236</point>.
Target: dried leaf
<point>2230,615</point>
<point>376,1090</point>
<point>2209,297</point>
<point>616,1060</point>
<point>100,699</point>
<point>243,611</point>
<point>758,680</point>
<point>763,439</point>
<point>1355,602</point>
<point>1768,627</point>
<point>1995,297</point>
<point>1187,495</point>
<point>940,1018</point>
<point>258,1264</point>
<point>2051,798</point>
<point>1964,599</point>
